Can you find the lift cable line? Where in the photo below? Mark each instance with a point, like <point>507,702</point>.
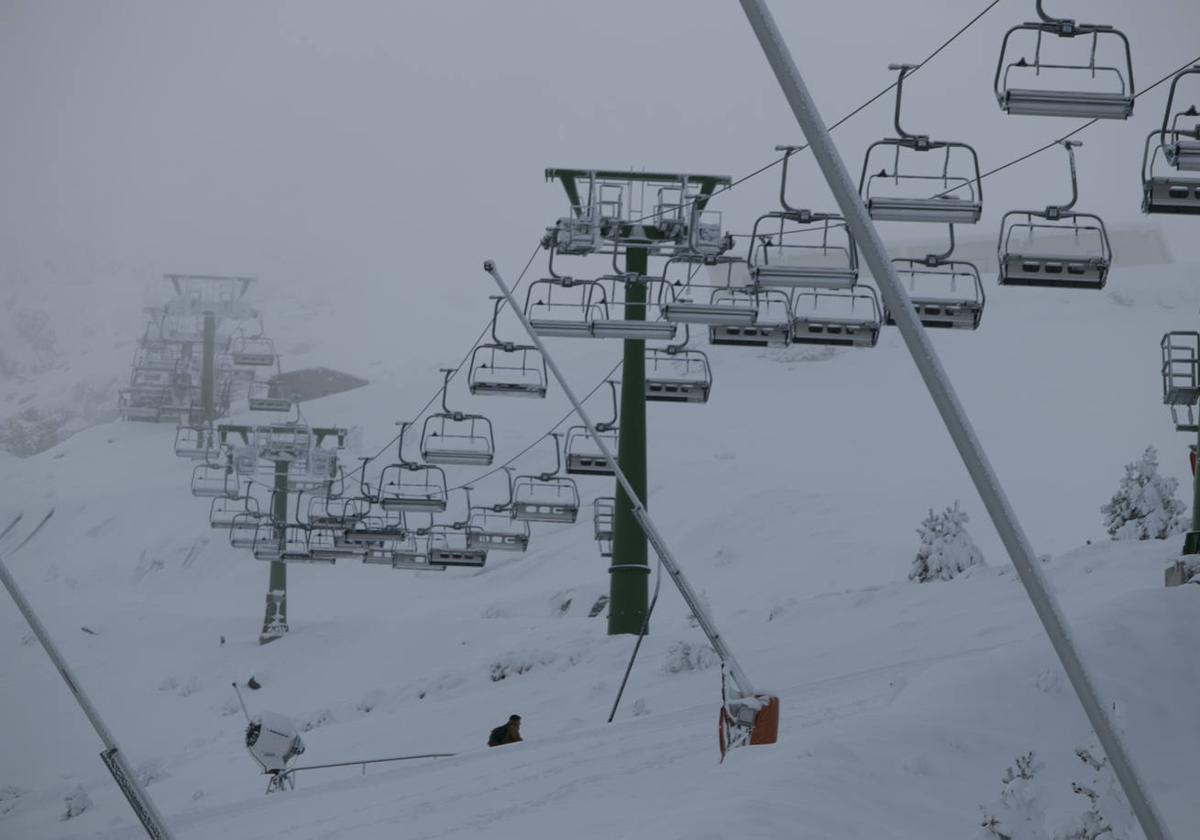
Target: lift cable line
<point>961,431</point>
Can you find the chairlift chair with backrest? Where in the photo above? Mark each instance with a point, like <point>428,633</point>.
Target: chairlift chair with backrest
<point>677,373</point>
<point>455,437</point>
<point>546,497</point>
<point>641,326</point>
<point>410,486</point>
<point>196,442</point>
<point>1078,255</point>
<point>944,292</point>
<point>450,545</point>
<point>772,325</point>
<point>267,396</point>
<point>214,479</point>
<point>252,351</point>
<point>565,307</point>
<point>502,368</point>
<point>1171,151</point>
<point>795,247</point>
<point>1111,98</point>
<point>1181,377</point>
<point>583,455</point>
<point>492,527</point>
<point>836,317</point>
<point>904,196</point>
<point>691,303</point>
<point>224,511</point>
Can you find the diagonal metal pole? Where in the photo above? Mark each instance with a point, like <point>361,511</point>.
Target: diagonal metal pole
<point>944,397</point>
<point>639,509</point>
<point>113,758</point>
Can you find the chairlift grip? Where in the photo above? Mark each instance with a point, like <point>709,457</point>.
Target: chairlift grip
<point>690,597</point>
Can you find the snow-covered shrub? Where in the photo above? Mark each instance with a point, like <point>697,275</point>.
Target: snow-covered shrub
<point>513,664</point>
<point>77,802</point>
<point>684,656</point>
<point>1144,506</point>
<point>946,547</point>
<point>1107,815</point>
<point>1019,813</point>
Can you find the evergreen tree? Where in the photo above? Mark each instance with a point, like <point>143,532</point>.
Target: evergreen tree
<point>946,547</point>
<point>1144,506</point>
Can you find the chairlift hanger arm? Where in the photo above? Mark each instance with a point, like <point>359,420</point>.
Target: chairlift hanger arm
<point>1166,127</point>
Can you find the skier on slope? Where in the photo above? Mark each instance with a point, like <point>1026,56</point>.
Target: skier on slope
<point>506,733</point>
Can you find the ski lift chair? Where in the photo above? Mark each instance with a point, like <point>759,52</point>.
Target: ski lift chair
<point>1111,93</point>
<point>502,368</point>
<point>837,317</point>
<point>1181,377</point>
<point>290,546</point>
<point>376,529</point>
<point>1056,247</point>
<point>688,303</point>
<point>243,530</point>
<point>676,373</point>
<point>901,195</point>
<point>583,455</point>
<point>546,497</point>
<point>325,544</point>
<point>212,480</point>
<point>412,554</point>
<point>266,396</point>
<point>492,528</point>
<point>644,328</point>
<point>454,437</point>
<point>451,546</point>
<point>224,511</point>
<point>328,511</point>
<point>1170,151</point>
<point>284,441</point>
<point>409,486</point>
<point>603,511</point>
<point>252,351</point>
<point>772,324</point>
<point>795,247</point>
<point>565,307</point>
<point>195,442</point>
<point>944,292</point>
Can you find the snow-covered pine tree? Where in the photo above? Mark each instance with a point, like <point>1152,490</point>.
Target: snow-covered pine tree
<point>1144,506</point>
<point>946,547</point>
<point>1107,815</point>
<point>1019,813</point>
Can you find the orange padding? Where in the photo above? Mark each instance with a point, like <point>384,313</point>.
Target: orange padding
<point>766,722</point>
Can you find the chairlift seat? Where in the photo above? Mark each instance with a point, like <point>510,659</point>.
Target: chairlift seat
<point>633,329</point>
<point>709,314</point>
<point>416,504</point>
<point>798,276</point>
<point>243,529</point>
<point>483,388</point>
<point>1053,271</point>
<point>588,463</point>
<point>211,481</point>
<point>545,512</point>
<point>561,328</point>
<point>835,331</point>
<point>450,456</point>
<point>416,564</point>
<point>946,209</point>
<point>465,556</point>
<point>1098,105</point>
<point>945,313</point>
<point>550,499</point>
<point>270,404</point>
<point>665,389</point>
<point>759,335</point>
<point>1172,194</point>
<point>498,540</point>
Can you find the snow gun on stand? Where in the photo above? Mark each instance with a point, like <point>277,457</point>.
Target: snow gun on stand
<point>749,717</point>
<point>272,741</point>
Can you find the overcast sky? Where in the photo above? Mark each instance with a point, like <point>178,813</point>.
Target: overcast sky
<point>397,144</point>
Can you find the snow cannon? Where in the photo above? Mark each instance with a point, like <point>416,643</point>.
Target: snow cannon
<point>272,741</point>
<point>748,721</point>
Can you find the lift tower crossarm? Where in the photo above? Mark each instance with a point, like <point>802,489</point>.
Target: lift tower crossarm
<point>987,483</point>
<point>570,178</point>
<point>690,597</point>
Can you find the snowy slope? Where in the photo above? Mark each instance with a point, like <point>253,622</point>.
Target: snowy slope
<point>791,502</point>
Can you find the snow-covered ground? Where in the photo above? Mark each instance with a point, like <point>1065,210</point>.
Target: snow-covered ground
<point>791,499</point>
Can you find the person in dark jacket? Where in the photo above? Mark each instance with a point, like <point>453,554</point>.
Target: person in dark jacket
<point>507,733</point>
